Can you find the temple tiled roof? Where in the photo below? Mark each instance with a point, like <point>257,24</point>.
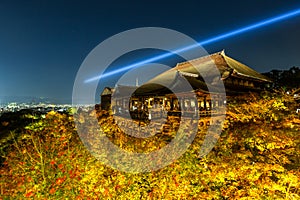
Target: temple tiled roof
<point>201,73</point>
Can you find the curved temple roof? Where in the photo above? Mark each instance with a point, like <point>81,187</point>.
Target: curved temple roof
<point>196,71</point>
<point>199,73</point>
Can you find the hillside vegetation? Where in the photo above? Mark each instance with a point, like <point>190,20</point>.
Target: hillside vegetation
<point>256,157</point>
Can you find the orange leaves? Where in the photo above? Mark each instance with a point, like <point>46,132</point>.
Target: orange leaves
<point>74,173</point>
<point>60,154</point>
<point>106,192</point>
<point>21,163</point>
<point>52,162</point>
<point>52,191</point>
<point>60,166</point>
<point>59,181</point>
<point>29,194</point>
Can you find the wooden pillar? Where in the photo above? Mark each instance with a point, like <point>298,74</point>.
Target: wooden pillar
<point>182,106</point>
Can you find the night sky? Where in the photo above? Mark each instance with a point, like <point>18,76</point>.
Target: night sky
<point>43,43</point>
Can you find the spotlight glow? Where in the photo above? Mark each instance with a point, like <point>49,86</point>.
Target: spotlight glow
<point>202,43</point>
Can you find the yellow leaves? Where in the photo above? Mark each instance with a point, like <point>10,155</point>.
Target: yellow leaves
<point>279,105</point>
<point>290,178</point>
<point>249,161</point>
<point>51,114</point>
<point>80,119</point>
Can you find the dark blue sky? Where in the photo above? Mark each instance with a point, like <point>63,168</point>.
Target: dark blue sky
<point>43,43</point>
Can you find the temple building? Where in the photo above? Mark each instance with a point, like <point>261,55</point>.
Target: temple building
<point>157,94</point>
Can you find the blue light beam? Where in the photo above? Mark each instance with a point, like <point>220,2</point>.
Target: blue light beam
<point>202,43</point>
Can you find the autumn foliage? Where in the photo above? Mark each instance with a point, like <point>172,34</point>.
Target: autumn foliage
<point>256,157</point>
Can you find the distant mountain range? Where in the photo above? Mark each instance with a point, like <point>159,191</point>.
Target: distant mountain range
<point>32,100</point>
